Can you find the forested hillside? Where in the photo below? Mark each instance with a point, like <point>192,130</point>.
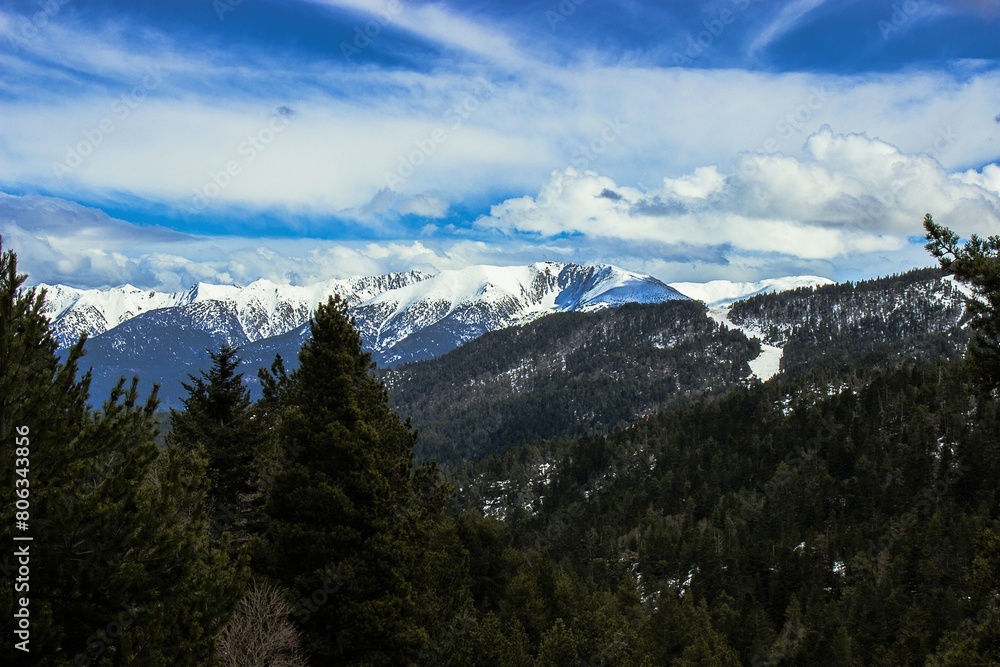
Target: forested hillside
<point>566,375</point>
<point>573,374</point>
<point>820,520</point>
<point>918,314</point>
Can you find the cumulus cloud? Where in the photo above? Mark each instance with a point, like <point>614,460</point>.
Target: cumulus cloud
<point>847,195</point>
<point>988,178</point>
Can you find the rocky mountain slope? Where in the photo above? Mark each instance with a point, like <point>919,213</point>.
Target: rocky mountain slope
<point>402,317</point>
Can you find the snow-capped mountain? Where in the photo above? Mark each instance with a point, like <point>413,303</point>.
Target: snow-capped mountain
<point>721,293</point>
<point>425,319</point>
<point>401,317</point>
<point>259,310</point>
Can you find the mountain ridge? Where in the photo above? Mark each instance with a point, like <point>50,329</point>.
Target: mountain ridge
<point>401,317</point>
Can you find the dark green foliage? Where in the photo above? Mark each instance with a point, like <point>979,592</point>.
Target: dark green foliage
<point>872,323</point>
<point>570,374</point>
<point>845,513</point>
<point>218,420</point>
<point>822,520</point>
<point>978,264</point>
<point>340,515</point>
<point>121,568</point>
<point>566,375</point>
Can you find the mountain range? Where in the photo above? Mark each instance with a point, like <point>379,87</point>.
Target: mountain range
<point>402,317</point>
<point>410,317</point>
<point>514,353</point>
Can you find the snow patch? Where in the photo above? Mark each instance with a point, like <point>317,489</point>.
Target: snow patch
<point>765,365</point>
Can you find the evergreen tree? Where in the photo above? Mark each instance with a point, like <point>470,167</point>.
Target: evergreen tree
<point>707,646</point>
<point>218,417</point>
<point>338,521</point>
<point>42,405</point>
<point>559,647</point>
<point>978,264</point>
<point>121,571</point>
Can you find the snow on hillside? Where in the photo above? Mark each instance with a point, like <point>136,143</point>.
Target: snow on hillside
<point>718,293</point>
<point>262,308</point>
<point>434,312</point>
<point>93,311</point>
<point>454,307</point>
<point>767,364</point>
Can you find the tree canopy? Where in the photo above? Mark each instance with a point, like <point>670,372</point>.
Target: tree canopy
<point>977,263</point>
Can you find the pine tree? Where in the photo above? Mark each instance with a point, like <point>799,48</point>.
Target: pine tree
<point>978,264</point>
<point>707,646</point>
<point>42,405</point>
<point>218,417</point>
<point>559,647</point>
<point>338,520</point>
<point>121,569</point>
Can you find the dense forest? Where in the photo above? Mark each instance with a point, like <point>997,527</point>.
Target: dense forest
<point>566,374</point>
<point>573,374</point>
<point>865,324</point>
<point>842,514</point>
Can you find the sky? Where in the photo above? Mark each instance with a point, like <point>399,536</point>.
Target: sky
<point>164,143</point>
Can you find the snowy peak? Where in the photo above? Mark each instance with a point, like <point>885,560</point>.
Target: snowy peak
<point>75,312</point>
<point>433,313</point>
<point>721,293</point>
<point>427,318</point>
<point>604,285</point>
<point>261,309</point>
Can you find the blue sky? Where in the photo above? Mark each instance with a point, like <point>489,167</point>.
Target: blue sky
<point>165,143</point>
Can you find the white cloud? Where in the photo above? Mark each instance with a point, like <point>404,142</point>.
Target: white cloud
<point>848,195</point>
<point>700,184</point>
<point>62,242</point>
<point>988,178</point>
<point>355,123</point>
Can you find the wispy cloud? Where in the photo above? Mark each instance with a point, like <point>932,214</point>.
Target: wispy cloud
<point>789,16</point>
<point>442,26</point>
